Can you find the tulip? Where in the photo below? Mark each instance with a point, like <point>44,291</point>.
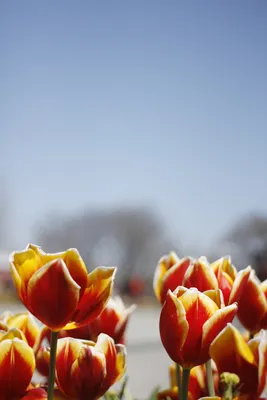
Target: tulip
<point>231,282</point>
<point>189,322</point>
<point>247,360</point>
<point>112,321</point>
<point>23,322</point>
<point>252,305</point>
<point>85,370</point>
<point>17,364</point>
<point>200,275</point>
<point>169,274</point>
<point>57,289</point>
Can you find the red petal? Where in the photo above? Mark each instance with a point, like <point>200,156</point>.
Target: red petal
<point>200,276</point>
<point>239,285</point>
<point>107,346</point>
<point>95,296</point>
<point>173,327</point>
<point>17,365</point>
<point>174,277</point>
<point>91,363</point>
<point>252,306</point>
<point>199,308</point>
<point>68,351</point>
<point>52,294</point>
<point>214,325</point>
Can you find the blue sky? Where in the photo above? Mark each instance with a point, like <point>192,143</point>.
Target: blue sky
<point>161,103</point>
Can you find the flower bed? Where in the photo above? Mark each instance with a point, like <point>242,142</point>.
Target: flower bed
<point>80,348</point>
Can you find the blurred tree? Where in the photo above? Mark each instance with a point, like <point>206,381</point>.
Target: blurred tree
<point>131,238</point>
<point>250,236</point>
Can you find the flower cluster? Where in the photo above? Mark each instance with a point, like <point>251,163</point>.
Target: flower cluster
<point>78,345</point>
<point>199,302</point>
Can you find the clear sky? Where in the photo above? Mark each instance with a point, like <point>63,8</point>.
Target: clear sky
<point>162,103</point>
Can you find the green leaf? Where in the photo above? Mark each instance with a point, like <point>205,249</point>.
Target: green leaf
<point>154,393</point>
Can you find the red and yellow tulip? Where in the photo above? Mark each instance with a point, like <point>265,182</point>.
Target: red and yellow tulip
<point>172,272</point>
<point>252,305</point>
<point>112,321</point>
<point>57,289</point>
<point>169,274</point>
<point>247,360</point>
<point>85,370</point>
<point>17,364</point>
<point>231,282</point>
<point>25,322</point>
<point>189,322</point>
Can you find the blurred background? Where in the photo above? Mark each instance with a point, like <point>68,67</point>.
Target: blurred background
<point>132,128</point>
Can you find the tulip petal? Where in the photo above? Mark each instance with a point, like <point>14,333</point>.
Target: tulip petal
<point>164,264</point>
<point>42,358</point>
<point>74,263</point>
<point>215,324</point>
<point>174,277</point>
<point>68,351</point>
<point>23,265</point>
<point>252,305</point>
<point>106,345</point>
<point>199,308</point>
<point>91,363</point>
<point>3,326</point>
<point>216,296</point>
<point>232,354</point>
<point>12,334</point>
<point>239,285</point>
<point>173,327</point>
<point>200,275</point>
<point>179,291</point>
<point>95,297</point>
<point>17,365</point>
<point>26,324</point>
<point>230,342</point>
<point>225,265</point>
<point>52,295</point>
<point>120,360</point>
<point>115,359</point>
<point>112,321</point>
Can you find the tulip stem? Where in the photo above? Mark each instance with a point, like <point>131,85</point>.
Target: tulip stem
<point>178,377</point>
<point>52,365</point>
<point>210,378</point>
<point>184,391</point>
